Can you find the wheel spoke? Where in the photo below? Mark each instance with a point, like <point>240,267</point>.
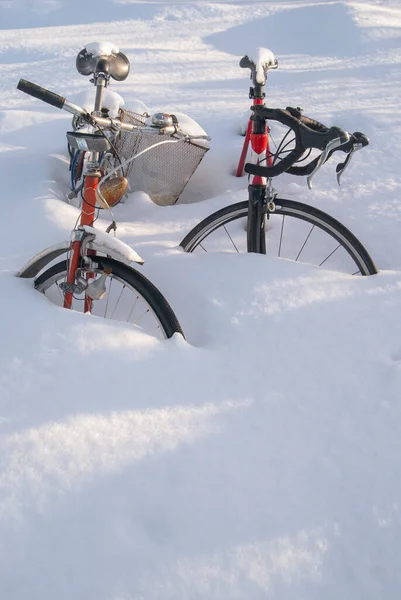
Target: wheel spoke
<point>141,298</point>
<point>299,222</point>
<point>141,317</point>
<point>132,309</point>
<point>61,293</point>
<point>305,242</point>
<point>118,300</point>
<point>232,241</point>
<point>330,255</point>
<point>108,297</point>
<point>281,236</point>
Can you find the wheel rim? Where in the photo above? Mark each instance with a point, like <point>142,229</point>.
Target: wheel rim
<point>121,302</point>
<point>291,234</point>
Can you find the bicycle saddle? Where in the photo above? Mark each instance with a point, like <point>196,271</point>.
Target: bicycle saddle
<point>103,58</point>
<point>263,61</point>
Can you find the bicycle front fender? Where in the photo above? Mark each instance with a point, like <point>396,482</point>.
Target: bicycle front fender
<point>98,241</point>
<point>112,246</point>
<point>38,262</point>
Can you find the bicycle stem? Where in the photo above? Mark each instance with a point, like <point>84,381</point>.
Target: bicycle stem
<point>256,94</point>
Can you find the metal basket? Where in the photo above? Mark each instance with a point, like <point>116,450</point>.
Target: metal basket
<point>164,171</point>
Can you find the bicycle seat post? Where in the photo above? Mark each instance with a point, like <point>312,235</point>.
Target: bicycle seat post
<point>257,93</point>
<point>265,60</point>
<point>104,61</point>
<point>100,79</point>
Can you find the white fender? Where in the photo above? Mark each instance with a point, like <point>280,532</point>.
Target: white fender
<point>38,262</point>
<point>104,242</point>
<point>99,240</point>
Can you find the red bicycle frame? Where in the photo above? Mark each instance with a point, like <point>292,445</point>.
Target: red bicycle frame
<point>87,217</point>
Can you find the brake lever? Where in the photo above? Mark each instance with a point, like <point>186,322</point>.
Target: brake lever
<point>340,168</point>
<point>331,146</point>
<point>360,142</point>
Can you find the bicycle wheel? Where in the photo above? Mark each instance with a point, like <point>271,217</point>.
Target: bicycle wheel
<point>295,231</point>
<point>129,297</point>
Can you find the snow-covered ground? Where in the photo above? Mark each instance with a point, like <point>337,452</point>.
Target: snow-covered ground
<point>260,458</point>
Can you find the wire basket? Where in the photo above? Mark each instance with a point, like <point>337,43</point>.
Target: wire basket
<point>164,171</point>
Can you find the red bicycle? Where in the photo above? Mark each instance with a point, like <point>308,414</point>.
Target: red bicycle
<point>97,275</point>
<point>277,227</point>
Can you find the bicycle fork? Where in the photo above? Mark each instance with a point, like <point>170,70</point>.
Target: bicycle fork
<point>91,182</point>
<point>256,224</point>
<point>260,205</point>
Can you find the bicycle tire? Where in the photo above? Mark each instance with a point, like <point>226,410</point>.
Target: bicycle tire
<point>127,276</point>
<point>285,208</point>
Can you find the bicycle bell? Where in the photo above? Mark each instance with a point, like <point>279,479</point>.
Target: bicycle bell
<point>162,120</point>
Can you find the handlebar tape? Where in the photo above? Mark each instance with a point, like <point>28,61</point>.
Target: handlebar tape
<point>40,93</point>
<point>308,134</point>
<point>275,170</point>
<point>311,123</point>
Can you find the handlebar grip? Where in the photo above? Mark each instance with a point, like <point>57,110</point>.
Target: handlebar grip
<point>304,170</point>
<point>40,93</point>
<point>311,123</point>
<point>277,169</point>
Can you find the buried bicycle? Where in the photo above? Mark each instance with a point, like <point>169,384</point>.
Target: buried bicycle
<point>97,275</point>
<point>274,226</point>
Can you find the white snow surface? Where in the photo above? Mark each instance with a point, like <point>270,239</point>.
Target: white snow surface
<point>116,248</point>
<point>111,100</point>
<point>260,457</point>
<point>262,57</point>
<point>101,48</point>
<point>188,126</point>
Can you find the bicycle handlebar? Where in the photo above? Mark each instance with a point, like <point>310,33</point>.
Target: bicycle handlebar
<point>40,93</point>
<point>308,134</point>
<point>32,89</point>
<point>357,140</point>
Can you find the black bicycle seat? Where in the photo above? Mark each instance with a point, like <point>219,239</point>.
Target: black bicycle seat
<point>114,64</point>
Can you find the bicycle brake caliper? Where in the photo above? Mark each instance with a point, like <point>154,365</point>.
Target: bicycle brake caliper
<point>271,195</point>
